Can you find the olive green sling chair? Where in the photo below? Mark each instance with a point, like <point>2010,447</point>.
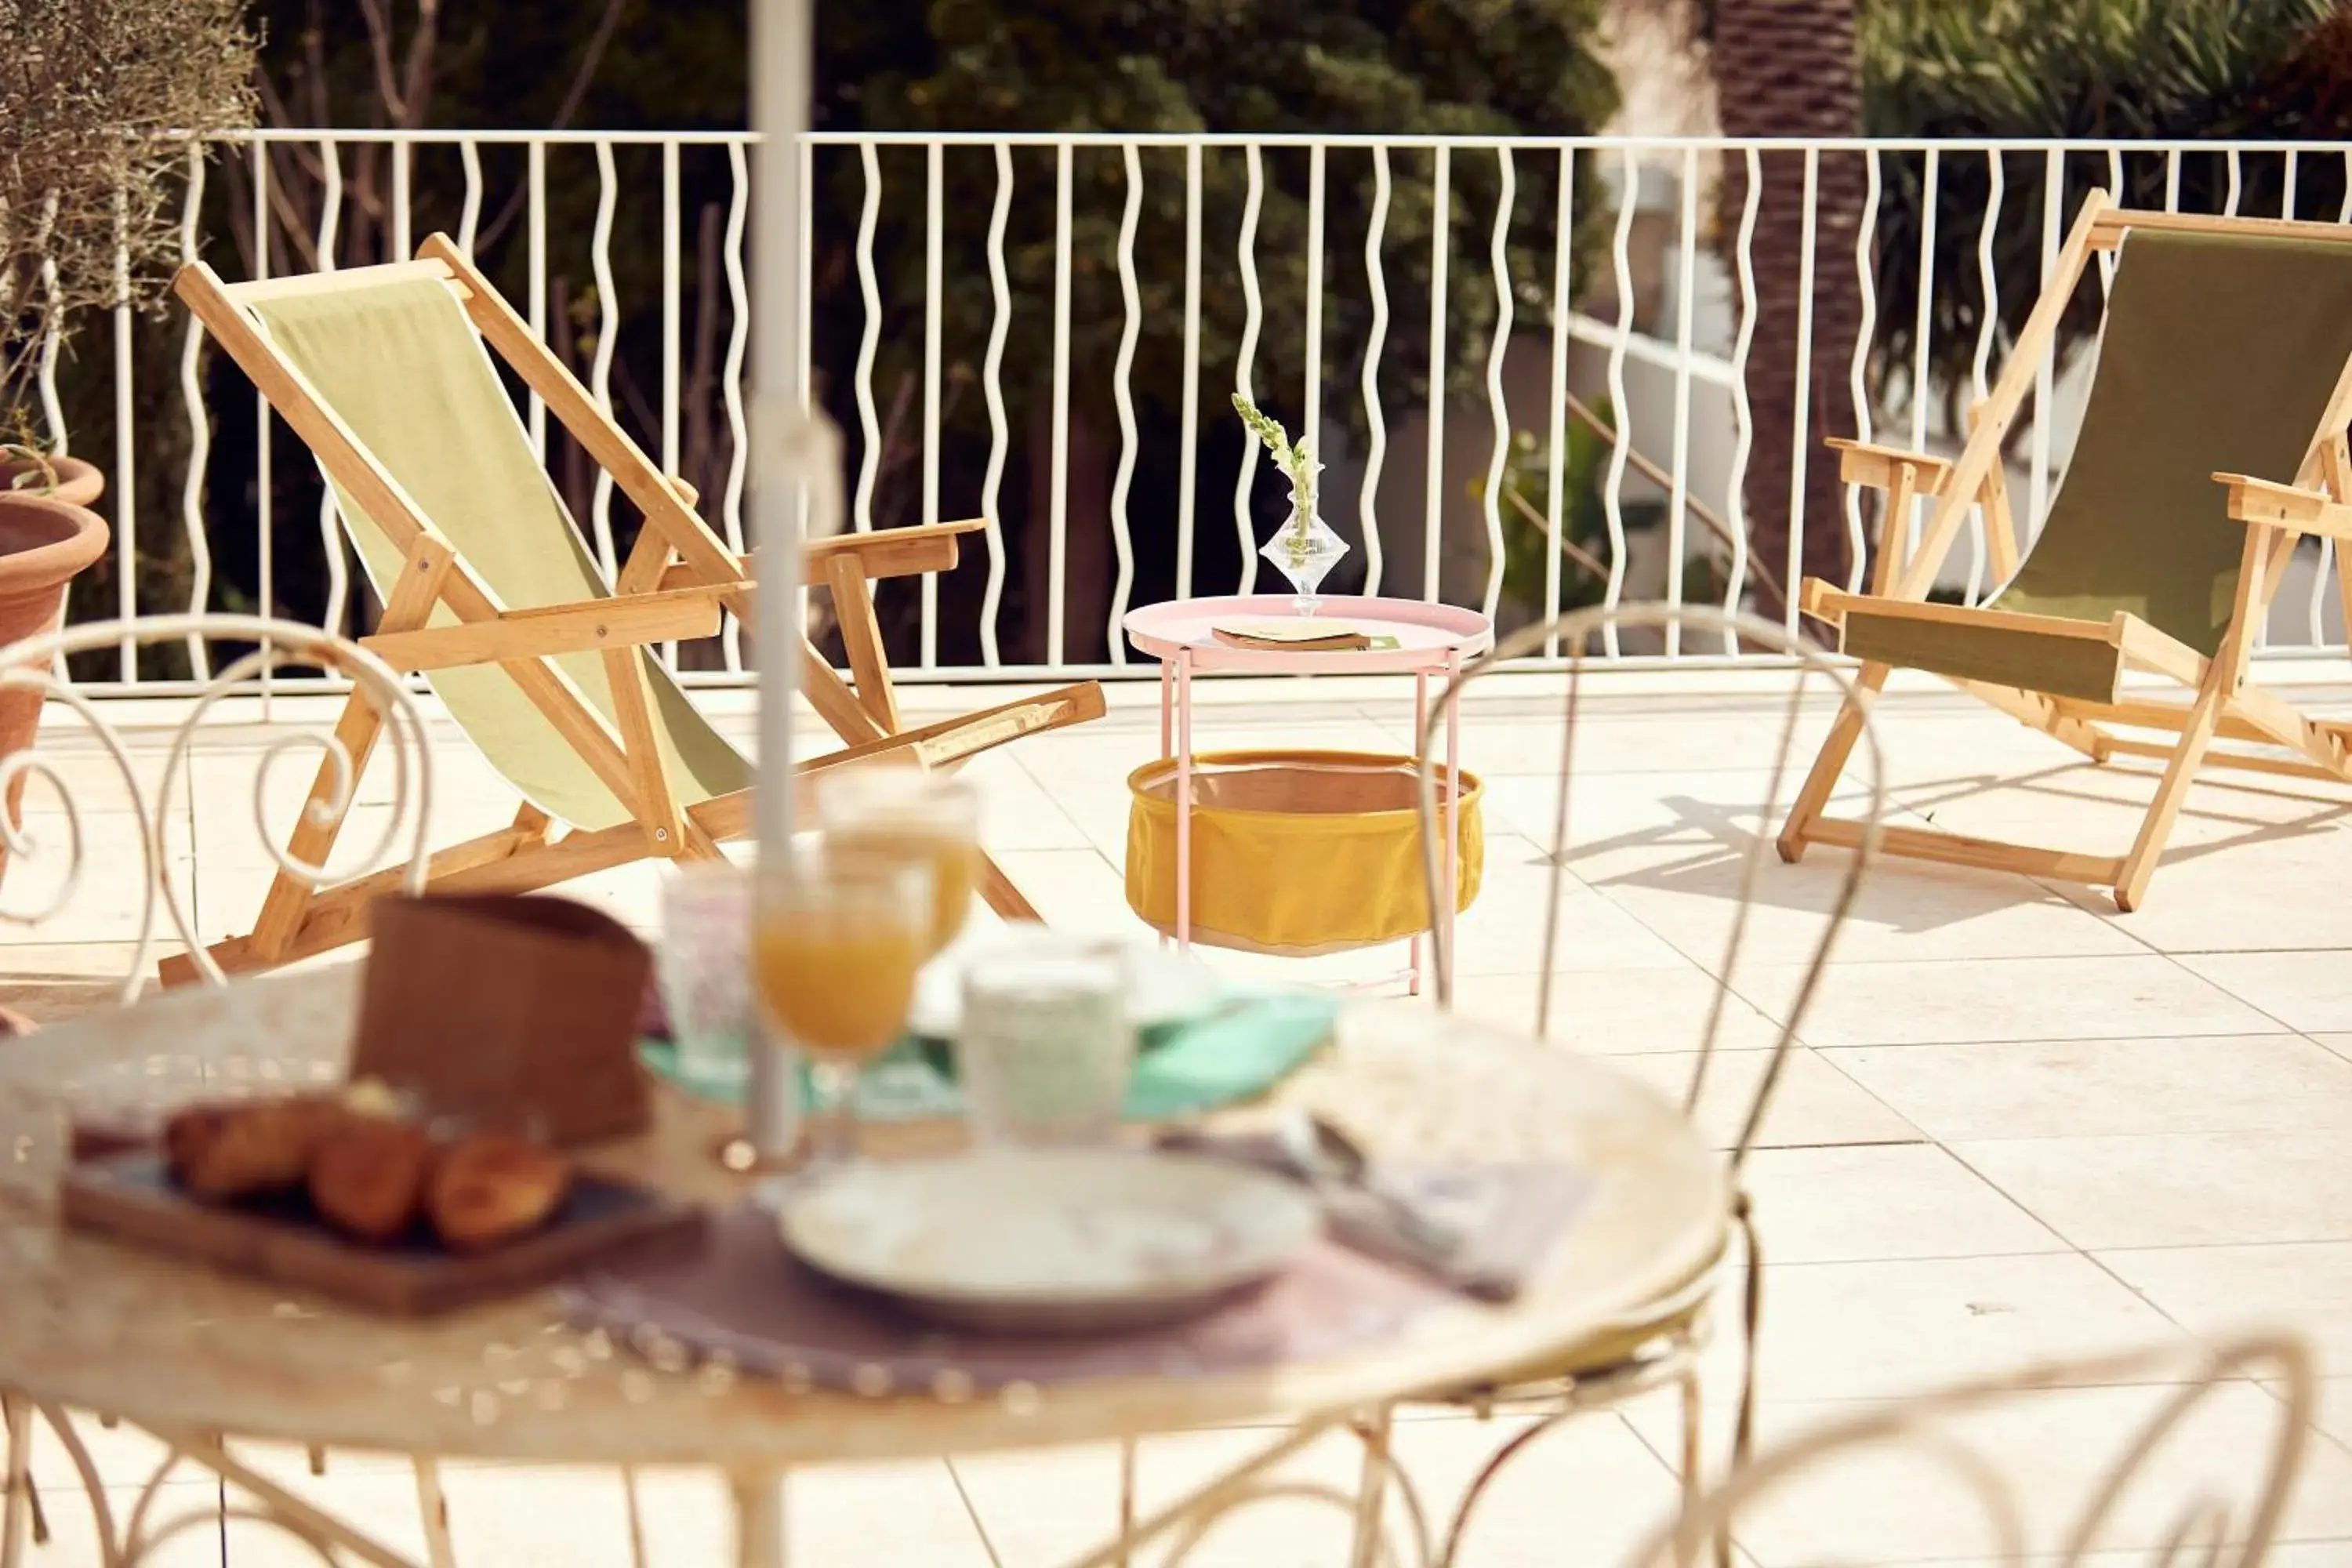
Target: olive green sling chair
<point>488,590</point>
<point>2225,361</point>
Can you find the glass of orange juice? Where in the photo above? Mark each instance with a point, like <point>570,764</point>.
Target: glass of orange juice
<point>840,931</point>
<point>905,811</point>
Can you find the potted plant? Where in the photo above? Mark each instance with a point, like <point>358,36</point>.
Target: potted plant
<point>97,112</point>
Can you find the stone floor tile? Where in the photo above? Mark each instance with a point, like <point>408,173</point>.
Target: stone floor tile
<point>2217,1291</point>
<point>1906,1003</point>
<point>1859,1331</point>
<point>1813,1103</point>
<point>1881,1201</point>
<point>2180,1189</point>
<point>2265,892</point>
<point>2336,1409</point>
<point>1614,1012</point>
<point>2055,1089</point>
<point>2310,990</point>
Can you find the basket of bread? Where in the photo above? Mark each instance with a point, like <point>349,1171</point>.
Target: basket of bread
<point>357,1194</point>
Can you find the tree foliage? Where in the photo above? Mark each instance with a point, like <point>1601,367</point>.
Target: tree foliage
<point>2171,71</point>
<point>1389,67</point>
<point>86,88</point>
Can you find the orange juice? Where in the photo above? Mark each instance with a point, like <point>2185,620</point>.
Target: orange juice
<point>839,982</point>
<point>950,854</point>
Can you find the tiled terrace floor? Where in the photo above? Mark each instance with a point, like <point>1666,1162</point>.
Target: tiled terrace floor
<point>2021,1124</point>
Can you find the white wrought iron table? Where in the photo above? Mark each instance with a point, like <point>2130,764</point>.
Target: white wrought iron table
<point>190,1355</point>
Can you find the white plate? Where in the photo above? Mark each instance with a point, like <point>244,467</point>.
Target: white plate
<point>1162,986</point>
<point>1060,1241</point>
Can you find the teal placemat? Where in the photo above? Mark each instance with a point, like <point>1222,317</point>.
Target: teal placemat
<point>1236,1053</point>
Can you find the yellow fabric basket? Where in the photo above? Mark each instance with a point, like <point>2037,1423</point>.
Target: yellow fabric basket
<point>1293,852</point>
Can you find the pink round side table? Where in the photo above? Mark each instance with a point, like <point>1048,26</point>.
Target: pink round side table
<point>1431,639</point>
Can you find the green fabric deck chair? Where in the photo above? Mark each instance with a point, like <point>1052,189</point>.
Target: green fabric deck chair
<point>489,589</point>
<point>2225,361</point>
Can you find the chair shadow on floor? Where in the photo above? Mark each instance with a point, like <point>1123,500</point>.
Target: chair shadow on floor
<point>1722,836</point>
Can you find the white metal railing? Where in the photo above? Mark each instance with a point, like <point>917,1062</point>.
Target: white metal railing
<point>1633,285</point>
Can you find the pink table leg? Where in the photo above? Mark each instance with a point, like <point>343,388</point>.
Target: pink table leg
<point>1167,726</point>
<point>1420,724</point>
<point>1183,799</point>
<point>1452,823</point>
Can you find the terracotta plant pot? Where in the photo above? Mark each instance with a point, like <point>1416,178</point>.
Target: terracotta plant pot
<point>43,544</point>
<point>78,483</point>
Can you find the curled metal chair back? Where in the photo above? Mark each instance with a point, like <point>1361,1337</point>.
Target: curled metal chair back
<point>1949,1446</point>
<point>1813,681</point>
<point>57,874</point>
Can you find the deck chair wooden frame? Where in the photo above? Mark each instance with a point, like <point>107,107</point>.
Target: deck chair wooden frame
<point>2316,500</point>
<point>673,585</point>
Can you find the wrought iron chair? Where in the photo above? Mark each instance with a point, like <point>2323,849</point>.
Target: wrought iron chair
<point>1929,1437</point>
<point>35,663</point>
<point>1660,1345</point>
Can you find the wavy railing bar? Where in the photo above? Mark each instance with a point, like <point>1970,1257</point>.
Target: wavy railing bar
<point>200,433</point>
<point>1857,543</point>
<point>1187,455</point>
<point>1376,450</point>
<point>1441,214</point>
<point>934,305</point>
<point>1979,367</point>
<point>1555,449</point>
<point>730,375</point>
<point>1685,315</point>
<point>1498,409</point>
<point>1613,495</point>
<point>608,340</point>
<point>1122,537</point>
<point>1254,314</point>
<point>991,385</point>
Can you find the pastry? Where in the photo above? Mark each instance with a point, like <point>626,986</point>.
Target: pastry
<point>368,1177</point>
<point>490,1188</point>
<point>374,1096</point>
<point>222,1151</point>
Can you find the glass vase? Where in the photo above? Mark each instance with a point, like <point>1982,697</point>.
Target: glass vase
<point>1305,553</point>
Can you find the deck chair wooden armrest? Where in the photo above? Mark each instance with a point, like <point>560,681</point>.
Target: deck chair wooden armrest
<point>898,551</point>
<point>844,566</point>
<point>2269,504</point>
<point>625,620</point>
<point>885,553</point>
<point>1868,463</point>
<point>949,743</point>
<point>1907,477</point>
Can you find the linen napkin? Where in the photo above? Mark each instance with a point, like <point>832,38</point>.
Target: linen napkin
<point>1510,1217</point>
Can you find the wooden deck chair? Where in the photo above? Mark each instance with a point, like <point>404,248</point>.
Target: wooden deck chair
<point>2226,358</point>
<point>489,589</point>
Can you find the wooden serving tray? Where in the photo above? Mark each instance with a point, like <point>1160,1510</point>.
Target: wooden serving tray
<point>130,1197</point>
